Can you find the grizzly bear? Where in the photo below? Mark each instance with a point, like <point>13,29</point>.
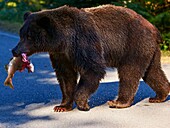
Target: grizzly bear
<point>86,41</point>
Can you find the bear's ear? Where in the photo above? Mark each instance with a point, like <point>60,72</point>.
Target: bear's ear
<point>26,15</point>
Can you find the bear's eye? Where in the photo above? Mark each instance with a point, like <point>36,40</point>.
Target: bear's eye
<point>29,37</point>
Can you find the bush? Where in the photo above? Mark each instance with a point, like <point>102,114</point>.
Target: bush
<point>156,11</point>
<point>162,21</point>
<point>13,10</point>
<point>166,42</point>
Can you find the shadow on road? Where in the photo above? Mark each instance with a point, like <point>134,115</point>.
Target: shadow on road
<point>109,91</point>
<point>15,101</point>
<point>41,89</point>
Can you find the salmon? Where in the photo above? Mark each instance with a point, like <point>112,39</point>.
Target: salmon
<point>14,65</point>
<point>17,63</point>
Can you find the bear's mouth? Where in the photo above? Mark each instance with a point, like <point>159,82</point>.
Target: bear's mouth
<point>17,52</point>
<point>26,63</point>
<point>24,57</point>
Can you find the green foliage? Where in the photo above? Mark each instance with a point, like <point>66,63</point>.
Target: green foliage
<point>162,21</point>
<point>13,10</point>
<point>166,42</point>
<point>156,11</point>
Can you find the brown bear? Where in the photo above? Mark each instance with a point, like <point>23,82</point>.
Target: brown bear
<point>86,41</point>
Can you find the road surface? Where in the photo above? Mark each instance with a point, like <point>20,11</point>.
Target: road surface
<point>30,104</point>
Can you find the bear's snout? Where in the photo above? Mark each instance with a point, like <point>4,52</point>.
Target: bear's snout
<point>19,49</point>
<point>15,52</point>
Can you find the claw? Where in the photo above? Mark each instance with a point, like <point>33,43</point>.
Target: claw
<point>61,109</point>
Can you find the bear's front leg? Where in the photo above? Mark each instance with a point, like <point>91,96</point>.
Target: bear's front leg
<point>88,84</point>
<point>67,84</point>
<point>67,78</point>
<point>67,81</point>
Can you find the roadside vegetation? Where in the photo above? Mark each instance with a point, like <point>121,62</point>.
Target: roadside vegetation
<point>156,11</point>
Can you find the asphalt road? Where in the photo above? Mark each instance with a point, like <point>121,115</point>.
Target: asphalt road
<point>31,102</point>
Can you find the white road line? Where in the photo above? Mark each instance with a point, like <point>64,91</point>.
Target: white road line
<point>8,35</point>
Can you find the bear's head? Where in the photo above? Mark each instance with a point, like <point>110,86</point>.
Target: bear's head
<point>62,30</point>
<point>36,34</point>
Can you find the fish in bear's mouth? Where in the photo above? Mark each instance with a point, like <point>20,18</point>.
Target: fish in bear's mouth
<point>26,63</point>
<point>17,63</point>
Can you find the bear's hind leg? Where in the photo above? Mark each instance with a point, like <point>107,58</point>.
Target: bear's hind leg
<point>129,76</point>
<point>88,84</point>
<point>157,80</point>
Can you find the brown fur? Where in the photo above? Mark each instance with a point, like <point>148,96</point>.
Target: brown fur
<point>86,41</point>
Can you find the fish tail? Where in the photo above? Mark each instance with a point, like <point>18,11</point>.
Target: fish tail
<point>8,82</point>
